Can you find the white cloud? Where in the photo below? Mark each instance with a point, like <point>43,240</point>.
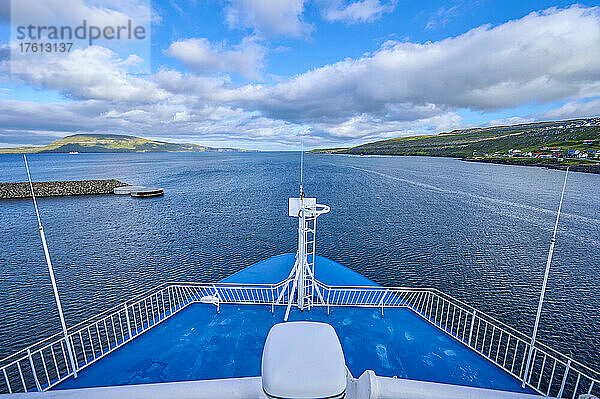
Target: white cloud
<point>574,109</point>
<point>513,120</point>
<point>357,11</point>
<point>246,59</point>
<point>542,57</point>
<point>368,127</point>
<point>268,17</point>
<point>133,115</point>
<point>402,88</point>
<point>181,116</point>
<point>73,12</point>
<point>443,15</point>
<point>91,73</point>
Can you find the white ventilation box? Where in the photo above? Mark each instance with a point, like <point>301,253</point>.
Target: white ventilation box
<point>302,360</point>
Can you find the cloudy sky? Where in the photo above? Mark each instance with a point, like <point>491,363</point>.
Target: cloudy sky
<point>258,74</point>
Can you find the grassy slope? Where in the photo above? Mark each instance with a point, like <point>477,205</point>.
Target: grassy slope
<point>110,143</point>
<point>463,143</point>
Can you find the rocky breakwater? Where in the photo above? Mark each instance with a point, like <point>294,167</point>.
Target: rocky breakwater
<point>59,188</point>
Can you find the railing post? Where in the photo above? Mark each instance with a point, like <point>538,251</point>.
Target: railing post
<point>528,361</point>
<point>471,329</point>
<point>591,387</point>
<point>37,382</point>
<point>218,297</point>
<point>272,299</point>
<point>7,381</point>
<point>382,300</point>
<point>430,306</point>
<point>74,357</point>
<point>564,380</point>
<point>128,322</point>
<point>529,368</point>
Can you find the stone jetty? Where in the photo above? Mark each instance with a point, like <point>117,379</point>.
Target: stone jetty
<point>59,188</point>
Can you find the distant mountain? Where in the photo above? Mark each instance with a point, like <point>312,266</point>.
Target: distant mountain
<point>111,143</point>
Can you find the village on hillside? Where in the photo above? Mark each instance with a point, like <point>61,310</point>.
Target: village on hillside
<point>580,149</point>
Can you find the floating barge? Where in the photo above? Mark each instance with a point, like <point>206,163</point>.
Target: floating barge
<point>139,191</point>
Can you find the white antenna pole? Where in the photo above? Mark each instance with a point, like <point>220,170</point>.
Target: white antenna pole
<point>301,233</point>
<point>303,285</point>
<point>301,165</point>
<point>51,271</point>
<point>545,282</point>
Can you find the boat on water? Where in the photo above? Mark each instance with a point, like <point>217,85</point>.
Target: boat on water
<point>295,326</point>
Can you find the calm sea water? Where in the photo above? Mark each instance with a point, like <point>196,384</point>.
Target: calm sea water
<point>479,232</point>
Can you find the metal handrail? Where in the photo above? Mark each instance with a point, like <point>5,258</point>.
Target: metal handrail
<point>120,305</point>
<point>44,364</point>
<point>104,312</point>
<point>441,293</point>
<point>510,328</point>
<point>551,372</point>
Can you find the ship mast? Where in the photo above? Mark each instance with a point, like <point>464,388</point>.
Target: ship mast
<point>303,273</point>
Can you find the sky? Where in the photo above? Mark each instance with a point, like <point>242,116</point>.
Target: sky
<point>270,74</point>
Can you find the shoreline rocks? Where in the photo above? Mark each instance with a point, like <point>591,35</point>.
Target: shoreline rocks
<point>585,168</point>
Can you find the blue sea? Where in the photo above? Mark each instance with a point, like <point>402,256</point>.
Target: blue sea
<point>479,232</point>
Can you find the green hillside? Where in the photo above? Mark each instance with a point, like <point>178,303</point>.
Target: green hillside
<point>488,141</point>
<point>110,143</point>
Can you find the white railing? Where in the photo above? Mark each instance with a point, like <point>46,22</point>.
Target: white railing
<point>551,373</point>
<point>44,364</point>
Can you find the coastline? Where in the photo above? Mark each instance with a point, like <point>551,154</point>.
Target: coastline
<point>577,167</point>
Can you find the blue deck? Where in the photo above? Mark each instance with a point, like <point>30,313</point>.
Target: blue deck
<point>277,268</point>
<point>199,343</point>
